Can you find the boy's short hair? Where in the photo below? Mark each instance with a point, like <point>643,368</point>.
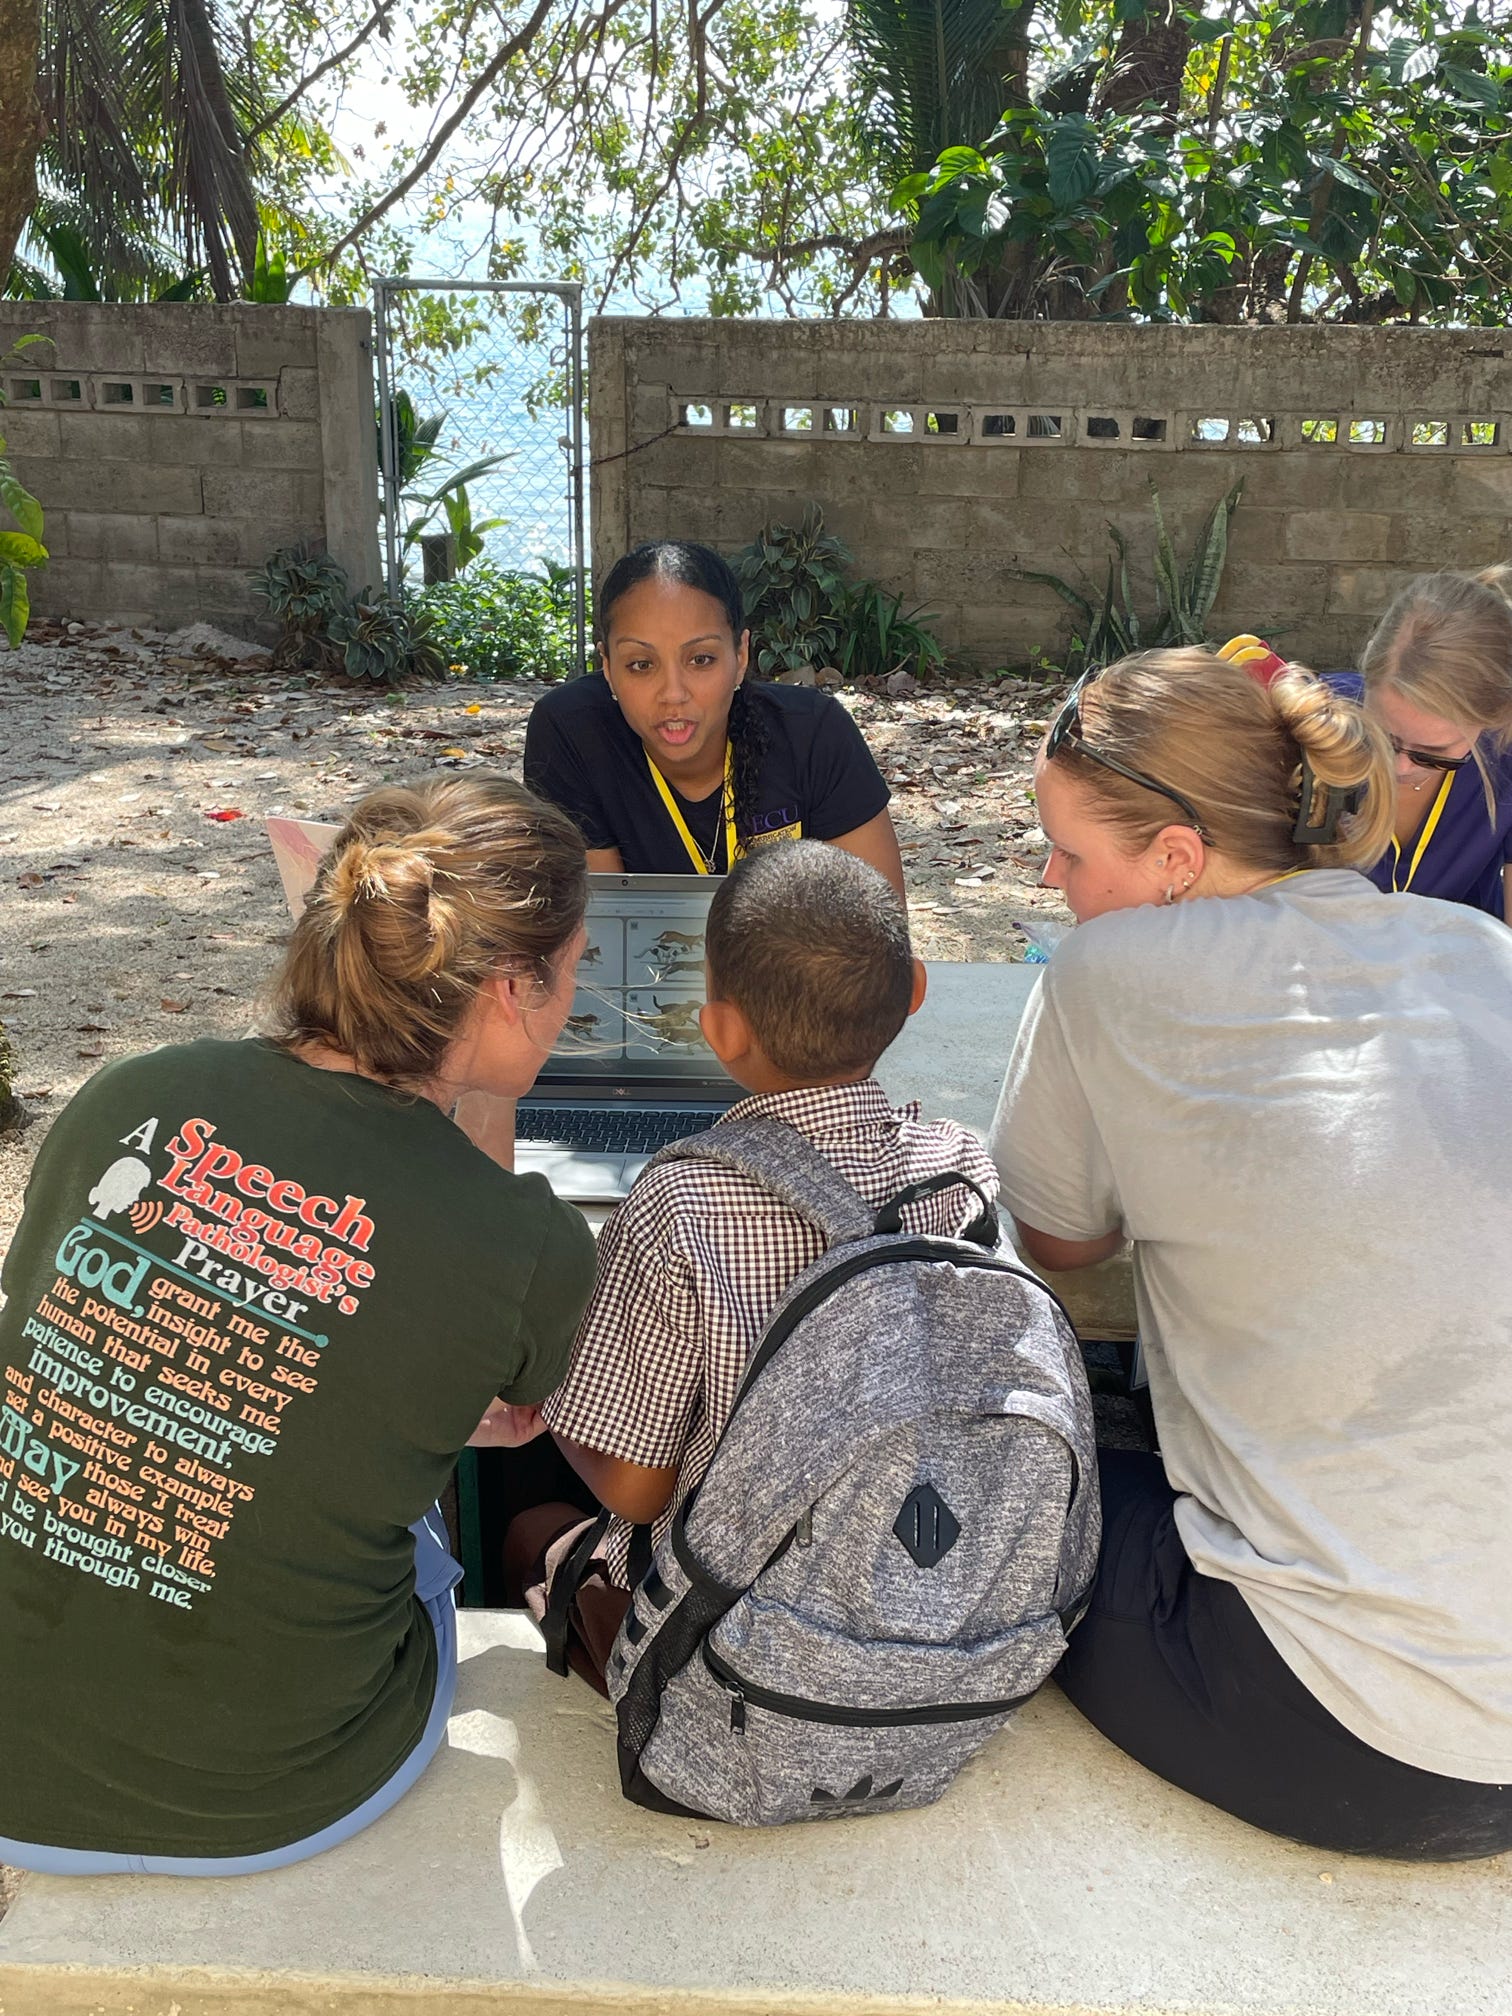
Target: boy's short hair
<point>812,945</point>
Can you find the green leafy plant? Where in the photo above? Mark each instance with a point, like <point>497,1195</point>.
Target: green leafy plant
<point>879,638</point>
<point>792,578</point>
<point>271,283</point>
<point>305,589</point>
<point>377,639</point>
<point>495,623</point>
<point>324,626</point>
<point>21,548</point>
<point>1111,628</point>
<point>413,439</point>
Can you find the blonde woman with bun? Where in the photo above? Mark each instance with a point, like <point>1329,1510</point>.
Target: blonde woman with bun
<point>1293,1095</point>
<point>1437,676</point>
<point>261,1295</point>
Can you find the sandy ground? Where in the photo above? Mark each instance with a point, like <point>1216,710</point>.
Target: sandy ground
<point>131,916</point>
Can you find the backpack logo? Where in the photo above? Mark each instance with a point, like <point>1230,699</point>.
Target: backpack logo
<point>860,1794</point>
<point>927,1526</point>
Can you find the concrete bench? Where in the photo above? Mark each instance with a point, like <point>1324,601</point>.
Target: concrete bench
<point>1055,1876</point>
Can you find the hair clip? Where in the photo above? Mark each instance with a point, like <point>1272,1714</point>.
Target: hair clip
<point>1337,800</point>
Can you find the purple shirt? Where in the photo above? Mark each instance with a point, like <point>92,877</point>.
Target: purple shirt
<point>1459,851</point>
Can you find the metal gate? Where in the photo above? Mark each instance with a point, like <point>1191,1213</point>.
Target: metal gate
<point>505,369</point>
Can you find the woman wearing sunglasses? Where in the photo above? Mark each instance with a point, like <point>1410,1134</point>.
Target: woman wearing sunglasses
<point>1437,675</point>
<point>1246,1062</point>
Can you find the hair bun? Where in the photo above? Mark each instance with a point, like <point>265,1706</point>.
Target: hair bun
<point>387,895</point>
<point>1346,759</point>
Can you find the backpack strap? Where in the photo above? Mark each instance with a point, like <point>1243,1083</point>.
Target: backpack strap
<point>778,1158</point>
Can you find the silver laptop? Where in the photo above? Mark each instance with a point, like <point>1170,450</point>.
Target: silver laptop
<point>631,1070</point>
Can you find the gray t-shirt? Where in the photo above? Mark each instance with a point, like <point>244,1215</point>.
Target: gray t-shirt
<point>1298,1105</point>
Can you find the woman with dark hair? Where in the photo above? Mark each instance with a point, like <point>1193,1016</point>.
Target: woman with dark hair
<point>672,762</point>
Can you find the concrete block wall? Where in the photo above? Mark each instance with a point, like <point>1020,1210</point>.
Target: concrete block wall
<point>174,446</point>
<point>955,456</point>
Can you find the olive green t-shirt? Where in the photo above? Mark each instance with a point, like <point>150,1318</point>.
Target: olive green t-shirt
<point>253,1312</point>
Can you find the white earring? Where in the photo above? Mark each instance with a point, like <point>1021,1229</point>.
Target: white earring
<point>1170,895</point>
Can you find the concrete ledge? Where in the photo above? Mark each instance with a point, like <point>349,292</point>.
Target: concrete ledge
<point>1056,1879</point>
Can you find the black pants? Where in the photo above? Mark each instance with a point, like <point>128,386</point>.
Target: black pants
<point>1172,1667</point>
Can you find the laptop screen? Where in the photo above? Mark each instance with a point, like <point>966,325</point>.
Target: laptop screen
<point>634,1018</point>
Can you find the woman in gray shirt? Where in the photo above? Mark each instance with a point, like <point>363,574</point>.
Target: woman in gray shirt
<point>1294,1096</point>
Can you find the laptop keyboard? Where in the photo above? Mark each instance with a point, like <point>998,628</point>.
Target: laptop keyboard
<point>595,1132</point>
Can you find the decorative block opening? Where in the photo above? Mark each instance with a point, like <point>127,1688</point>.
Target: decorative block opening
<point>1252,431</point>
<point>159,395</point>
<point>1320,433</point>
<point>797,419</point>
<point>946,421</point>
<point>1103,427</point>
<point>1367,434</point>
<point>208,397</point>
<point>252,399</point>
<point>1480,434</point>
<point>1046,427</point>
<point>697,416</point>
<point>897,420</point>
<point>1148,429</point>
<point>24,391</point>
<point>1210,428</point>
<point>65,391</point>
<point>742,417</point>
<point>117,392</point>
<point>997,426</point>
<point>841,420</point>
<point>1430,434</point>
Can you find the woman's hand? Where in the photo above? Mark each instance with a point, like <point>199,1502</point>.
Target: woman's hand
<point>506,1427</point>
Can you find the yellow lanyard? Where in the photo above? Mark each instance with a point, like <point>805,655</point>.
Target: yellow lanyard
<point>1423,838</point>
<point>703,864</point>
<point>1286,877</point>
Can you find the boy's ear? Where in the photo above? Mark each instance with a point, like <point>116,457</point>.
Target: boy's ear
<point>726,1031</point>
<point>920,987</point>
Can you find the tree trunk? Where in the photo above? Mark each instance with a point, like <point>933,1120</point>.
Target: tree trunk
<point>20,122</point>
<point>1148,65</point>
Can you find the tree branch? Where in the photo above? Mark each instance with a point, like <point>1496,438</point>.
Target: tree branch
<point>437,141</point>
<point>378,18</point>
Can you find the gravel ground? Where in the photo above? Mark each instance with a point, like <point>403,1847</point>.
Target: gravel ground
<point>131,915</point>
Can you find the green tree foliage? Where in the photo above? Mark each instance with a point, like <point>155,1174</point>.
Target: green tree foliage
<point>168,157</point>
<point>1304,162</point>
<point>1236,160</point>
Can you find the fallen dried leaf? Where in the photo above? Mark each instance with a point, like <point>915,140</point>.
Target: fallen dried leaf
<point>19,994</point>
<point>30,880</point>
<point>91,1050</point>
<point>173,1007</point>
<point>230,812</point>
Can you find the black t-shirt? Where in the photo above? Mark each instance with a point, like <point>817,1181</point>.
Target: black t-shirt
<point>818,779</point>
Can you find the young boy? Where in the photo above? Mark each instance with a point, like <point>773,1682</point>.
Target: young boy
<point>810,976</point>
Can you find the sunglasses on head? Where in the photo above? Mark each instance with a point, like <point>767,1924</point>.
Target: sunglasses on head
<point>1067,728</point>
<point>1426,759</point>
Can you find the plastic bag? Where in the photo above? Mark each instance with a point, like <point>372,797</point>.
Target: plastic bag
<point>1043,935</point>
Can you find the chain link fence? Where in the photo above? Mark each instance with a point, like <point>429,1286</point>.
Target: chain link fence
<point>482,446</point>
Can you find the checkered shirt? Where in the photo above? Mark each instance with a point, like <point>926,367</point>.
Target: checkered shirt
<point>692,1264</point>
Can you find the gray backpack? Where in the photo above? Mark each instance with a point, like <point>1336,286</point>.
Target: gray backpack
<point>895,1533</point>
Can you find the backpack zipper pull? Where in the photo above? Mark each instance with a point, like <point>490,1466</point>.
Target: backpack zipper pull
<point>737,1712</point>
